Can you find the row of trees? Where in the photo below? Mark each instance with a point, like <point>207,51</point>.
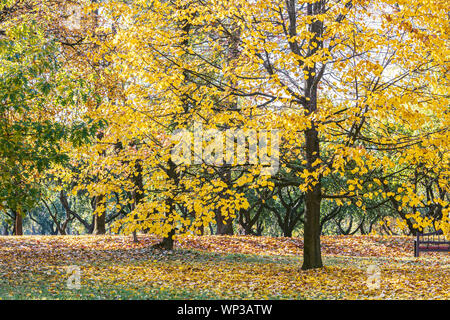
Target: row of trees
<point>92,92</point>
<point>279,215</point>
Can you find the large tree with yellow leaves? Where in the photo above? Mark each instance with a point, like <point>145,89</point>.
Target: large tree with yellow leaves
<point>357,88</point>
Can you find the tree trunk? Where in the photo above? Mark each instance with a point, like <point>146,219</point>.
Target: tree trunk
<point>18,226</point>
<point>167,242</point>
<point>287,232</point>
<point>99,224</point>
<point>311,243</point>
<point>138,193</point>
<point>201,230</point>
<point>65,204</point>
<point>224,225</point>
<point>99,220</point>
<point>311,251</point>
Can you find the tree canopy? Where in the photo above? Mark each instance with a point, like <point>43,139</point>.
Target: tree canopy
<point>357,90</point>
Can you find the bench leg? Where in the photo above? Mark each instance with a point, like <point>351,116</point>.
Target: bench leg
<point>416,249</point>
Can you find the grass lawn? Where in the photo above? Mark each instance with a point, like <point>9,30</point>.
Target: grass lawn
<point>218,267</point>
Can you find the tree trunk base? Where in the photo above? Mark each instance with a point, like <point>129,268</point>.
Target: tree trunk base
<point>311,265</point>
<point>135,237</point>
<point>165,244</point>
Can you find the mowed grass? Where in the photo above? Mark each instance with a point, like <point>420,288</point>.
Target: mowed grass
<point>218,267</point>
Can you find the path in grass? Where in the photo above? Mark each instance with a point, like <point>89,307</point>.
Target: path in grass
<point>213,267</point>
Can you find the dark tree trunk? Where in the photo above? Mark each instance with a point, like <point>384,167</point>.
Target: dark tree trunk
<point>138,193</point>
<point>18,226</point>
<point>99,220</point>
<point>247,222</point>
<point>224,224</point>
<point>287,232</point>
<point>99,224</point>
<point>201,230</point>
<point>259,228</point>
<point>244,221</point>
<point>311,250</point>
<point>167,242</point>
<point>313,197</point>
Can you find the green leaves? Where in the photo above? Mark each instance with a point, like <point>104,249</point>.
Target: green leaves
<point>34,93</point>
<point>82,132</point>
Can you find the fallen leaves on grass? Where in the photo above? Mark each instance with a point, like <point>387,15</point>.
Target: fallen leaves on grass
<point>225,267</point>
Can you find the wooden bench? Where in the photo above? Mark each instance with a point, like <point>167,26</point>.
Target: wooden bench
<point>433,241</point>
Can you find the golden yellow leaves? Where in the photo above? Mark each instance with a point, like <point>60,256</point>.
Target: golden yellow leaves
<point>380,96</point>
<point>221,267</point>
